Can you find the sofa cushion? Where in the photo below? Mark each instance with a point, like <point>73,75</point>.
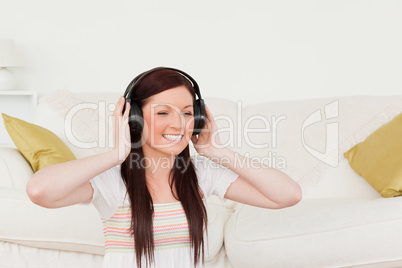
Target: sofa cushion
<point>316,233</point>
<point>317,178</point>
<point>341,182</point>
<point>304,138</point>
<point>39,146</point>
<point>15,171</point>
<point>82,124</point>
<point>378,159</point>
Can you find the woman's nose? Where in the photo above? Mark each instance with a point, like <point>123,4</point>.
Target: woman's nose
<point>178,120</point>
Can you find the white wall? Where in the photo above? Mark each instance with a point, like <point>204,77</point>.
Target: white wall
<point>242,50</point>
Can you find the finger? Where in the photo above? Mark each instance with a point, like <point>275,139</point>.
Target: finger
<point>210,118</point>
<point>208,113</point>
<point>127,111</point>
<point>207,110</point>
<point>119,106</point>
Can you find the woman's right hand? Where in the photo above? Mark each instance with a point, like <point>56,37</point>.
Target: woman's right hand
<point>121,130</point>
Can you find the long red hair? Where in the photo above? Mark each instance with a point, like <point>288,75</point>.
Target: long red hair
<point>183,178</point>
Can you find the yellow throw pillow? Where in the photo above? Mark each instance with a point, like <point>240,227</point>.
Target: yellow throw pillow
<point>379,158</point>
<point>39,146</point>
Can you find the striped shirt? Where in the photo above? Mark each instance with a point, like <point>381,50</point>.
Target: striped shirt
<point>170,229</point>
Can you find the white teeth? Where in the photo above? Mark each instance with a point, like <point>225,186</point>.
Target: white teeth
<point>173,137</point>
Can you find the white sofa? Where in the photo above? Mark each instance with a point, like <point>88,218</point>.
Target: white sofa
<point>341,221</point>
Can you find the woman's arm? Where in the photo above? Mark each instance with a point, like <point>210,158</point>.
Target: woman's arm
<point>67,183</point>
<point>256,185</point>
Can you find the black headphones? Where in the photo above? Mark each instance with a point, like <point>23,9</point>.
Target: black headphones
<point>136,119</point>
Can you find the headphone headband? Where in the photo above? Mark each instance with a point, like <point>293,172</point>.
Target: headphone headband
<point>138,78</point>
<point>136,120</point>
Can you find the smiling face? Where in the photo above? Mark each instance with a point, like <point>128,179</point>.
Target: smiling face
<point>169,122</point>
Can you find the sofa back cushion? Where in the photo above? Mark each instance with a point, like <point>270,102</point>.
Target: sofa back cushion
<point>306,139</point>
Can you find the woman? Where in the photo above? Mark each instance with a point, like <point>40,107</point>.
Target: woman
<point>148,190</point>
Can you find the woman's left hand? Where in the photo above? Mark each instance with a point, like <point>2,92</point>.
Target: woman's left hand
<point>208,139</point>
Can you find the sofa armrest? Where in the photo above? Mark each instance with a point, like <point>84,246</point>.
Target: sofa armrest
<point>15,171</point>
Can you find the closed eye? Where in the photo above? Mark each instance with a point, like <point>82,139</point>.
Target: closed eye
<point>165,113</point>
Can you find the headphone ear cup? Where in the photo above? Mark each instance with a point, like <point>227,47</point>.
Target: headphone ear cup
<point>199,116</point>
<point>136,119</point>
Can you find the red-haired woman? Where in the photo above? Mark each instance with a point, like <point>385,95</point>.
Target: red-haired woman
<point>148,190</point>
